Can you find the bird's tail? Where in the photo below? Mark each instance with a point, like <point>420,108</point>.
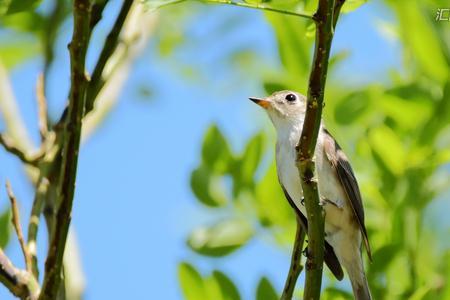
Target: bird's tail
<point>360,287</point>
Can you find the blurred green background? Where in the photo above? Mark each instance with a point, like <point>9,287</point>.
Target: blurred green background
<point>387,103</point>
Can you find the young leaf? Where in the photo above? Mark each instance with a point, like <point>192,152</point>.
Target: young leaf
<point>265,290</point>
<point>220,239</point>
<point>191,282</point>
<point>228,289</point>
<point>5,222</point>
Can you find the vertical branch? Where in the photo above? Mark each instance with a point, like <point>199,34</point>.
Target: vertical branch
<point>70,147</point>
<point>325,21</point>
<point>295,268</point>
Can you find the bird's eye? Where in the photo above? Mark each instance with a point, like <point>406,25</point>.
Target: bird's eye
<point>290,97</point>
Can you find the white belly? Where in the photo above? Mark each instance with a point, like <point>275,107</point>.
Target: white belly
<point>337,209</point>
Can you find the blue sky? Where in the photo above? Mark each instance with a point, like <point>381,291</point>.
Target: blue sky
<point>133,206</point>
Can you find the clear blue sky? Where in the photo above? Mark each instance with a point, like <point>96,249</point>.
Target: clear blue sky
<point>133,206</point>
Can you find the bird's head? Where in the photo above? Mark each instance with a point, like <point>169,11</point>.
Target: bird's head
<point>283,107</point>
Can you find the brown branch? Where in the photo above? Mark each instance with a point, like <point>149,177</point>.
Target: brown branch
<point>111,42</point>
<point>70,148</point>
<point>17,226</point>
<point>296,263</point>
<point>305,150</point>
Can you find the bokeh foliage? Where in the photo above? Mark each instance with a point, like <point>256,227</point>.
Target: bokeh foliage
<point>396,134</point>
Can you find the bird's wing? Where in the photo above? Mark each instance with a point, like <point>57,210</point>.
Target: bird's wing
<point>330,257</point>
<point>344,172</point>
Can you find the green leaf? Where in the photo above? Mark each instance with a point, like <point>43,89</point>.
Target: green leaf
<point>244,169</point>
<point>15,6</point>
<point>382,257</point>
<point>409,114</point>
<point>5,229</point>
<point>351,5</point>
<point>421,39</point>
<point>216,151</point>
<point>386,143</point>
<point>294,46</point>
<point>228,289</point>
<point>332,293</point>
<point>220,239</point>
<point>271,204</point>
<point>352,107</point>
<point>265,290</point>
<point>12,54</point>
<point>206,186</point>
<point>191,282</point>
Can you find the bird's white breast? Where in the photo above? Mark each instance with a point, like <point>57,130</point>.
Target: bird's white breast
<point>338,210</point>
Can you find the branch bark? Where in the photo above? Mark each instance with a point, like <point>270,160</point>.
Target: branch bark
<point>296,267</point>
<point>19,282</point>
<point>70,147</point>
<point>325,19</point>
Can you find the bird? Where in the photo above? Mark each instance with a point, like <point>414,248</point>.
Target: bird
<point>338,188</point>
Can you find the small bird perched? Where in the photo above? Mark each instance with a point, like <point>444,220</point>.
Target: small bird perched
<point>338,188</point>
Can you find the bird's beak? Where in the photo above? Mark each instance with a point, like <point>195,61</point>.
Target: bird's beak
<point>264,103</point>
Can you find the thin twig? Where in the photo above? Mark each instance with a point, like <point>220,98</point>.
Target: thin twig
<point>325,22</point>
<point>70,148</point>
<point>42,107</point>
<point>17,226</point>
<point>9,146</point>
<point>111,42</point>
<point>33,225</point>
<point>247,5</point>
<point>296,263</point>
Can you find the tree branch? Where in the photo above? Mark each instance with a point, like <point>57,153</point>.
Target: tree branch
<point>9,146</point>
<point>70,147</point>
<point>295,268</point>
<point>20,283</point>
<point>247,5</point>
<point>97,82</point>
<point>305,150</point>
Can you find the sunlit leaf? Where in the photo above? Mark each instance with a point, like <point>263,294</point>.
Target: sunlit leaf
<point>386,143</point>
<point>12,54</point>
<point>244,169</point>
<point>293,45</point>
<point>351,5</point>
<point>215,150</point>
<point>265,290</point>
<point>270,202</point>
<point>332,293</point>
<point>228,289</point>
<point>407,113</point>
<point>352,107</point>
<point>191,282</point>
<point>220,239</point>
<point>15,6</point>
<point>421,39</point>
<point>206,187</point>
<point>5,223</point>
